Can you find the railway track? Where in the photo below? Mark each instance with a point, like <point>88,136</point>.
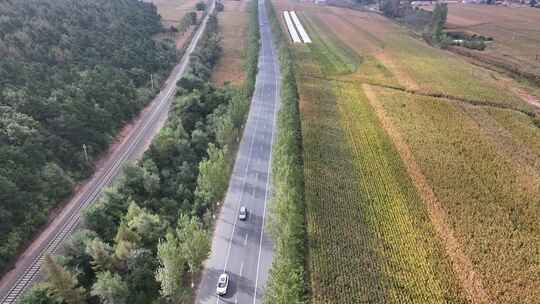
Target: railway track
<point>30,265</point>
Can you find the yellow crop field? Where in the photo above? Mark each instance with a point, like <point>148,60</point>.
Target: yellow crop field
<point>421,169</point>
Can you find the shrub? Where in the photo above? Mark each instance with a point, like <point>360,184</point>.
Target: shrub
<point>475,44</point>
<point>200,6</point>
<point>219,7</point>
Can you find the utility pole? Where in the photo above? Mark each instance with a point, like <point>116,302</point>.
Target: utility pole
<point>152,80</point>
<point>85,152</point>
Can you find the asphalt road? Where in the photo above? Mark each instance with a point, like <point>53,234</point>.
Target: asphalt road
<point>243,249</point>
<point>27,268</point>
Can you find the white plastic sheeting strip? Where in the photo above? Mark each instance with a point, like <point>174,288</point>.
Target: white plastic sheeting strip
<point>300,27</point>
<point>290,26</point>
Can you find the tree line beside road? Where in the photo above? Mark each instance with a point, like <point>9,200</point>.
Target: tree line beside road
<point>286,283</point>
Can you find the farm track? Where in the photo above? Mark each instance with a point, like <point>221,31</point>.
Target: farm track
<point>27,268</point>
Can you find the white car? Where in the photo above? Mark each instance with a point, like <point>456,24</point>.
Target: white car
<point>243,213</point>
<point>222,284</point>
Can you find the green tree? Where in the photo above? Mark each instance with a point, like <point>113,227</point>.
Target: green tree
<point>38,294</point>
<point>104,216</point>
<point>110,288</point>
<point>440,14</point>
<point>141,266</point>
<point>391,8</point>
<point>102,255</point>
<point>171,273</point>
<point>147,226</point>
<point>213,179</point>
<point>195,243</point>
<point>285,284</point>
<point>59,184</point>
<point>238,109</point>
<point>220,7</point>
<point>151,180</point>
<point>76,257</point>
<point>126,241</point>
<point>63,285</point>
<point>200,6</point>
<point>226,133</point>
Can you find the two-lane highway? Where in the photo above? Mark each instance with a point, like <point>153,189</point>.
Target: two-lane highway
<point>27,268</point>
<point>243,249</point>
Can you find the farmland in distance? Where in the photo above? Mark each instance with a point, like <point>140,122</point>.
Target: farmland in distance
<point>422,180</point>
<point>515,33</point>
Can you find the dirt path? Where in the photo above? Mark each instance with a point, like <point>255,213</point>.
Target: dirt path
<point>470,281</point>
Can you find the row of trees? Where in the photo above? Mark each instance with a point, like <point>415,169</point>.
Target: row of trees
<point>71,74</point>
<point>440,14</point>
<point>147,236</point>
<point>286,284</point>
<point>431,24</point>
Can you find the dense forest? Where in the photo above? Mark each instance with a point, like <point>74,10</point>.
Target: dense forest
<point>72,72</point>
<point>145,239</point>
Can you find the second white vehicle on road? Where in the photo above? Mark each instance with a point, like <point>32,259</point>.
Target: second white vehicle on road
<point>222,284</point>
<point>243,213</point>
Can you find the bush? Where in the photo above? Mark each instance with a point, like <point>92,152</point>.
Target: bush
<point>200,6</point>
<point>187,21</point>
<point>475,44</point>
<point>219,6</point>
<point>252,55</point>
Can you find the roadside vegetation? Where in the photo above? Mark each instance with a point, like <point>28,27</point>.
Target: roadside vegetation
<point>444,157</point>
<point>286,284</point>
<point>144,241</point>
<point>68,86</point>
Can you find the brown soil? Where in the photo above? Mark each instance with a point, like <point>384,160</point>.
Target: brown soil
<point>174,10</point>
<point>233,23</point>
<point>470,281</point>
